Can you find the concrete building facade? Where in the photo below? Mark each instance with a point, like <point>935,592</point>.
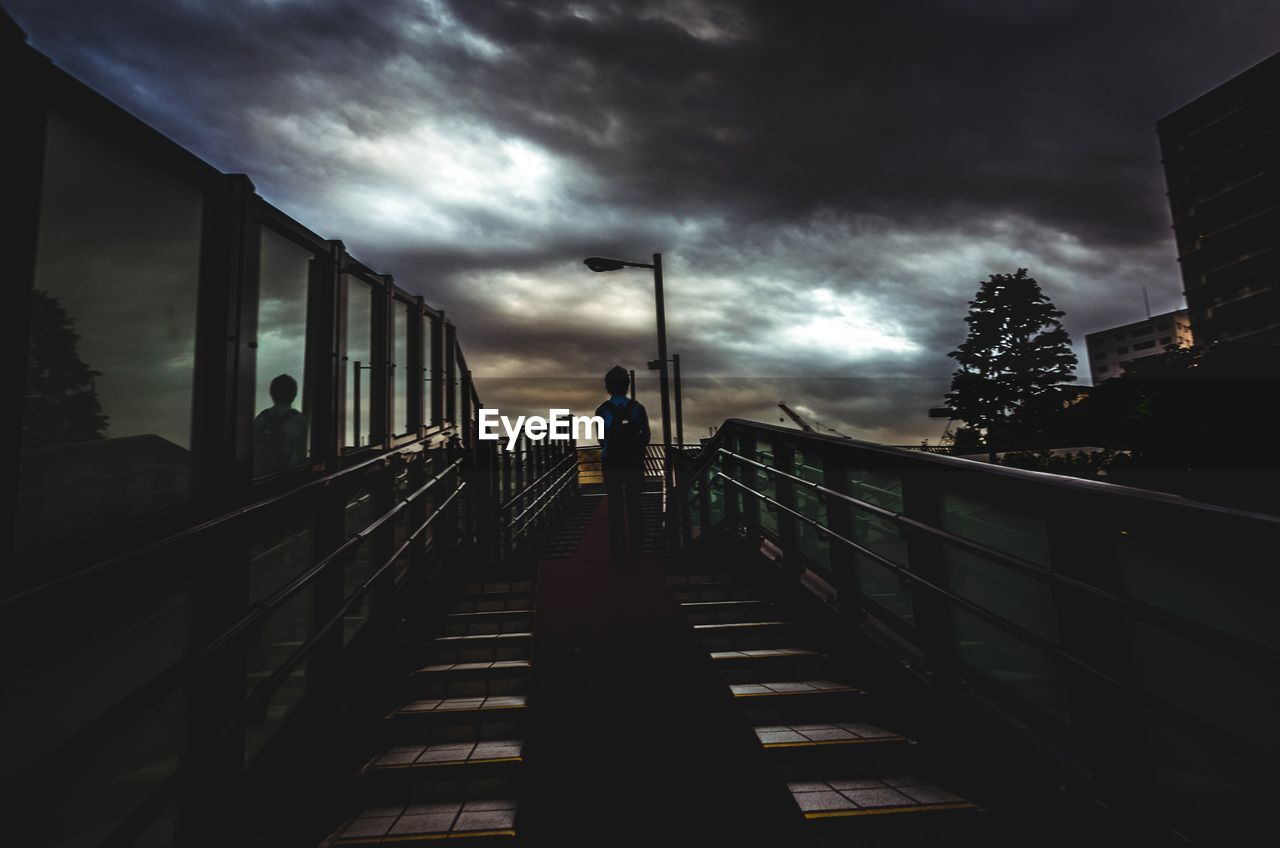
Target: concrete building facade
<point>1109,349</point>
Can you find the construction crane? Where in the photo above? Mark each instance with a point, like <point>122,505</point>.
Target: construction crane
<point>804,425</point>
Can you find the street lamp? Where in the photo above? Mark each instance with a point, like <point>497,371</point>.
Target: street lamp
<point>601,264</point>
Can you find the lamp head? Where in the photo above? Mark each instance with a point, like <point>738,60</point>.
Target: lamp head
<point>599,263</point>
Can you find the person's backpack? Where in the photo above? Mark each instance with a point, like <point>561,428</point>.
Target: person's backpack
<point>626,446</point>
<point>271,441</point>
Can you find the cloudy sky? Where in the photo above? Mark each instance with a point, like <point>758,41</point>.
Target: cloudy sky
<point>827,182</point>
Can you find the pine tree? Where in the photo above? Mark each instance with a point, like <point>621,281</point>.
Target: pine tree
<point>1013,362</point>
<point>61,403</point>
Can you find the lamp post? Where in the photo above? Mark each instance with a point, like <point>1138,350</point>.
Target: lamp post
<point>600,264</point>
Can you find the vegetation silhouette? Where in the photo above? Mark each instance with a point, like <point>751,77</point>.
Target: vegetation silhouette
<point>1012,364</point>
<point>61,403</point>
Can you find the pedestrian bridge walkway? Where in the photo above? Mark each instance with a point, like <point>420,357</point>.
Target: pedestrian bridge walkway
<point>264,585</point>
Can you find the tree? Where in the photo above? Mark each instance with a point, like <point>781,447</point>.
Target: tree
<point>1014,361</point>
<point>61,403</point>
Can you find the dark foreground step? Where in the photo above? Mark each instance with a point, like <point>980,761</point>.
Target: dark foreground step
<point>897,811</point>
<point>746,635</point>
<point>434,720</point>
<point>494,647</point>
<point>472,679</point>
<point>479,822</point>
<point>487,623</point>
<point>768,664</point>
<point>727,612</point>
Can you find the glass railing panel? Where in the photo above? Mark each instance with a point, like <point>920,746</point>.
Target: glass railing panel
<point>1207,783</point>
<point>276,557</point>
<point>764,483</point>
<point>1020,670</point>
<point>813,545</point>
<point>282,634</point>
<point>103,790</point>
<point>1229,693</point>
<point>360,511</point>
<point>882,537</point>
<point>1024,600</point>
<point>1210,573</point>
<point>110,652</point>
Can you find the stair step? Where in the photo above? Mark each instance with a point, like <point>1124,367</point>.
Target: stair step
<point>712,592</point>
<point>438,720</point>
<point>745,635</point>
<point>764,664</point>
<point>447,754</point>
<point>505,587</point>
<point>484,647</point>
<point>487,623</point>
<point>472,679</point>
<point>800,701</point>
<point>824,733</point>
<point>479,820</point>
<point>866,805</point>
<point>485,603</point>
<point>698,579</point>
<point>726,612</point>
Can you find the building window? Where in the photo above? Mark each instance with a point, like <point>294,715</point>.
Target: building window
<point>1149,343</point>
<point>1163,325</point>
<point>1164,340</point>
<point>1141,331</point>
<point>1101,369</point>
<point>1122,350</point>
<point>1102,354</point>
<point>1119,337</point>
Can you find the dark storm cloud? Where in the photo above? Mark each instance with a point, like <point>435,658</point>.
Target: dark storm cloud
<point>828,181</point>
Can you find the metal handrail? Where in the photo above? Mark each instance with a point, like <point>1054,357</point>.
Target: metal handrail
<point>525,491</point>
<point>189,533</point>
<point>103,728</point>
<point>1238,746</point>
<point>555,487</point>
<point>1172,622</point>
<point>136,823</point>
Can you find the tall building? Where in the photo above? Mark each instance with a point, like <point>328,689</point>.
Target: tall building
<point>1222,163</point>
<point>1110,349</point>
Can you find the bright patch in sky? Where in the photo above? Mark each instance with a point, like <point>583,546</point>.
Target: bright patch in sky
<point>847,327</point>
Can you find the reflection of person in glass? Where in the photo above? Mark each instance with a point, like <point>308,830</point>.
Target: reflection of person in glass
<point>279,431</point>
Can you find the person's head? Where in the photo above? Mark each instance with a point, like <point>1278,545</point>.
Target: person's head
<point>284,389</point>
<point>617,380</point>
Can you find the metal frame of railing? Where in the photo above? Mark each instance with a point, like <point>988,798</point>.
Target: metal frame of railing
<point>1091,672</point>
<point>525,508</point>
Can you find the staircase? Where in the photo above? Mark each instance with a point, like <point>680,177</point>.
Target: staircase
<point>853,776</point>
<point>452,754</point>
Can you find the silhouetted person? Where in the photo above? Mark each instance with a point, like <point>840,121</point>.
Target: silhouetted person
<point>279,431</point>
<point>626,434</point>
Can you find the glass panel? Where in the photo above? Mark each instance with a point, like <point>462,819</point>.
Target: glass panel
<point>275,558</point>
<point>400,370</point>
<point>813,545</point>
<point>882,537</point>
<point>280,428</point>
<point>106,430</point>
<point>1021,599</point>
<point>108,652</point>
<point>1023,671</point>
<point>428,412</point>
<point>359,358</point>
<point>764,483</point>
<point>359,514</point>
